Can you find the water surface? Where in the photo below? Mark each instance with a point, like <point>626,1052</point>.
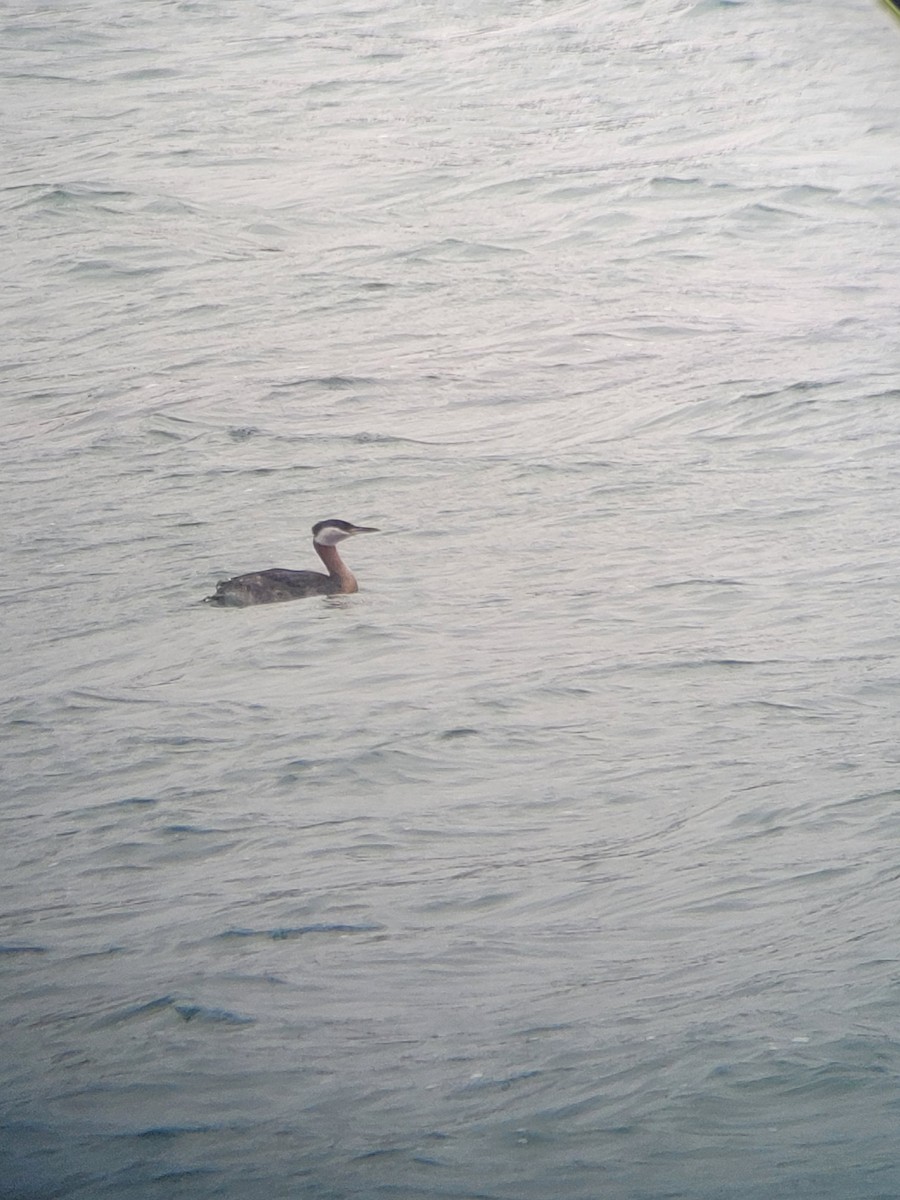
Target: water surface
<point>558,863</point>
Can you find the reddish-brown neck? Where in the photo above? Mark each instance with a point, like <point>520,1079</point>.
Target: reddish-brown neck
<point>337,568</point>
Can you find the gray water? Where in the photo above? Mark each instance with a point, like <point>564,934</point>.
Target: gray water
<point>561,862</point>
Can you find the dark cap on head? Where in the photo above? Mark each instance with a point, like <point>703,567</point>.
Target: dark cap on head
<point>336,530</point>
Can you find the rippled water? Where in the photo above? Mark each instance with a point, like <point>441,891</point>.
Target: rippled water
<point>561,861</point>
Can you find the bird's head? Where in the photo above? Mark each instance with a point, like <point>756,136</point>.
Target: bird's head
<point>332,531</point>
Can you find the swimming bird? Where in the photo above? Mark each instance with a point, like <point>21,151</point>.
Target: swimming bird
<point>275,584</point>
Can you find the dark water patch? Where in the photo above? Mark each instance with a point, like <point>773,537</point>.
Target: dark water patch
<point>564,467</point>
<point>540,1031</point>
<point>11,950</point>
<point>60,195</point>
<point>163,1132</point>
<point>212,1016</point>
<point>177,741</point>
<point>172,1177</point>
<point>107,806</point>
<point>202,1014</point>
<point>825,875</point>
<point>127,802</point>
<point>250,472</point>
<point>175,206</point>
<point>666,182</point>
<point>889,799</point>
<point>711,581</point>
<point>137,1012</point>
<point>783,708</point>
<point>288,932</point>
<point>368,438</point>
<point>168,427</point>
<point>801,386</point>
<point>458,250</point>
<point>119,868</point>
<point>243,433</point>
<point>93,699</point>
<point>703,664</point>
<point>381,1152</point>
<point>196,830</point>
<point>145,73</point>
<point>330,383</point>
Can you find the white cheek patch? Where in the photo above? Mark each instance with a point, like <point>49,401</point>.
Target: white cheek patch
<point>330,536</point>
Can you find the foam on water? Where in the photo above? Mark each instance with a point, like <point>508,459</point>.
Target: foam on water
<point>558,862</point>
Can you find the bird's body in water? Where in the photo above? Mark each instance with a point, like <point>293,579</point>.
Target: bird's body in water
<point>276,584</point>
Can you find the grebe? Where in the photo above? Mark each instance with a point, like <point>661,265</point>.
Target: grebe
<point>268,587</point>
